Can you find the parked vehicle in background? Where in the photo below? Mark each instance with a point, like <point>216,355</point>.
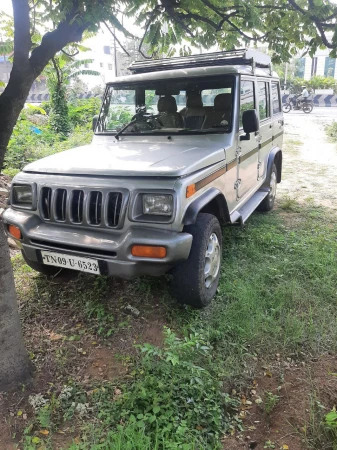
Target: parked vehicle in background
<point>181,147</point>
<point>297,103</point>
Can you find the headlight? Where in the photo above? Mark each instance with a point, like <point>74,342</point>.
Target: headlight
<point>22,195</point>
<point>158,205</point>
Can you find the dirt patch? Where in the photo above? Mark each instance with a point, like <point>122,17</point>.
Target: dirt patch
<point>294,383</point>
<point>309,161</point>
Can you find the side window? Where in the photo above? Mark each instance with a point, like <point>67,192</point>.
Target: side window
<point>263,95</point>
<point>246,97</point>
<point>275,97</point>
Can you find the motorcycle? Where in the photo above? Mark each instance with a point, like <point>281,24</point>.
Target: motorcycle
<point>297,105</point>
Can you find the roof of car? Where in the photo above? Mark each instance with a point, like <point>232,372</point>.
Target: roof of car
<point>194,72</point>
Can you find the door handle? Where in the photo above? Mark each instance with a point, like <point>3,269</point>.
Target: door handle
<point>281,122</point>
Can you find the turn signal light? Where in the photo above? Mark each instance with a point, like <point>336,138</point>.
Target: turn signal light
<point>190,190</point>
<point>149,251</point>
<point>14,231</point>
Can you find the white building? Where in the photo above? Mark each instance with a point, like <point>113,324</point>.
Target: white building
<point>102,53</point>
<point>320,64</point>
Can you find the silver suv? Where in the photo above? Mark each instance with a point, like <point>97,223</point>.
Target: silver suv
<point>181,147</point>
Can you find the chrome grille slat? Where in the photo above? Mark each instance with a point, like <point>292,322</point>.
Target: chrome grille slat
<point>91,208</point>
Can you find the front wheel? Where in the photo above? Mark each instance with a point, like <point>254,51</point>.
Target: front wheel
<point>286,107</point>
<point>196,280</point>
<point>307,107</point>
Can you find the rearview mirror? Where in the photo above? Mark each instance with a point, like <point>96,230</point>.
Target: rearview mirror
<point>250,123</point>
<point>94,122</point>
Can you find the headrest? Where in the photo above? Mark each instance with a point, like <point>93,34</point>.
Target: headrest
<point>222,102</point>
<point>193,100</point>
<point>167,104</point>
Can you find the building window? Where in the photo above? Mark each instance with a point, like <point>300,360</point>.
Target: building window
<point>110,66</point>
<point>329,67</point>
<point>101,64</point>
<point>107,50</point>
<point>263,92</point>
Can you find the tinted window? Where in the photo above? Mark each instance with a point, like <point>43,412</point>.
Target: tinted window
<point>247,97</point>
<point>263,95</point>
<point>275,98</point>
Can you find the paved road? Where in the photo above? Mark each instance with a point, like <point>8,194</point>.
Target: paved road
<point>317,111</point>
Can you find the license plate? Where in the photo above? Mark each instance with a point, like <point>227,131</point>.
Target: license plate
<point>70,262</point>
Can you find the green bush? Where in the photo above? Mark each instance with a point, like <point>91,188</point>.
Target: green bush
<point>82,111</point>
<point>26,146</point>
<point>331,131</point>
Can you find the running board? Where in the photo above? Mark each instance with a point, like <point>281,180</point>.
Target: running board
<point>240,216</point>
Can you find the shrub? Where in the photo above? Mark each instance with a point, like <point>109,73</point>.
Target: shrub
<point>82,111</point>
<point>331,131</point>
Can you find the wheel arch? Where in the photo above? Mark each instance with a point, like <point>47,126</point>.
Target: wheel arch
<point>211,201</point>
<point>275,157</point>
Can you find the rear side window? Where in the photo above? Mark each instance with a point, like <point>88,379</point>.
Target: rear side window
<point>263,95</point>
<point>247,100</point>
<point>275,97</point>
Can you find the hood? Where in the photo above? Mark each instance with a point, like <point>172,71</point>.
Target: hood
<point>153,156</point>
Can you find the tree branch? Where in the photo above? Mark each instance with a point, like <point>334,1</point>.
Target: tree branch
<point>115,37</point>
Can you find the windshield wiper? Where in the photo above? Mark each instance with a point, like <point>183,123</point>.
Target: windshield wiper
<point>124,128</point>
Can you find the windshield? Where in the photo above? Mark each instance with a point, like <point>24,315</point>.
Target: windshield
<point>168,106</point>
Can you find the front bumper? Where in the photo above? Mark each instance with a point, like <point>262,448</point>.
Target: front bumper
<point>111,248</point>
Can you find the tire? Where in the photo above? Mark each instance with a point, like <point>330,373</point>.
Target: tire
<point>286,107</point>
<point>44,269</point>
<point>307,108</point>
<point>190,284</point>
<point>267,203</point>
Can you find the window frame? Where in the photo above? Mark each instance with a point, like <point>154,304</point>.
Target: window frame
<point>278,96</point>
<point>268,109</point>
<point>251,80</point>
<point>134,84</point>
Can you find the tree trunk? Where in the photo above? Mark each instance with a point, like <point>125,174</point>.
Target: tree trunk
<point>15,367</point>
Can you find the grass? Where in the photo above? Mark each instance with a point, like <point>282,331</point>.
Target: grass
<point>331,131</point>
<point>277,293</point>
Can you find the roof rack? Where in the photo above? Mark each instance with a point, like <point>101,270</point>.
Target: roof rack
<point>240,57</point>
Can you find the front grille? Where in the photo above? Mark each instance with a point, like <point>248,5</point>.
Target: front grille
<point>76,209</point>
<point>60,204</point>
<point>95,208</point>
<point>114,206</point>
<point>46,194</point>
<point>99,208</point>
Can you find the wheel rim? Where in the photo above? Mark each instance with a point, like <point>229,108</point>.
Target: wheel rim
<point>273,186</point>
<point>286,108</point>
<point>212,260</point>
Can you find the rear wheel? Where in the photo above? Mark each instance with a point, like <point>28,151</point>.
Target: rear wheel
<point>267,203</point>
<point>196,280</point>
<point>286,107</point>
<point>307,107</point>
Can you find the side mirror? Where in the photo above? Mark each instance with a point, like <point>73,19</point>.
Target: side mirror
<point>250,123</point>
<point>94,122</point>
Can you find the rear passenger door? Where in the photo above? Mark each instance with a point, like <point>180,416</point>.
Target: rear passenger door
<point>265,136</point>
<point>247,149</point>
<point>277,115</point>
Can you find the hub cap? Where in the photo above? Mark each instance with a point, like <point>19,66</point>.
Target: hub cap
<point>273,184</point>
<point>212,260</point>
